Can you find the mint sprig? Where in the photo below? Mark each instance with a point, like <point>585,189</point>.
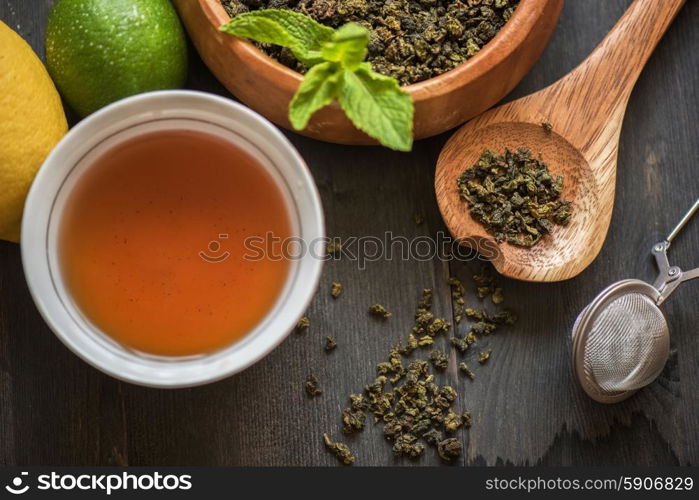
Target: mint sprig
<point>373,102</point>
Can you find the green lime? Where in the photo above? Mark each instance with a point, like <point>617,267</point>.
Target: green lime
<point>100,51</point>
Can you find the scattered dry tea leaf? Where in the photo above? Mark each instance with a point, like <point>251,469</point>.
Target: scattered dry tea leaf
<point>411,410</point>
<point>423,318</point>
<point>497,296</point>
<point>452,422</point>
<point>357,402</point>
<point>341,450</point>
<point>414,410</point>
<point>460,344</point>
<point>438,325</point>
<point>302,325</point>
<point>411,344</point>
<point>330,343</point>
<point>439,360</point>
<point>457,288</point>
<point>380,311</point>
<point>425,302</point>
<point>473,314</point>
<point>457,298</point>
<point>463,367</point>
<point>449,449</point>
<point>484,356</point>
<point>468,421</point>
<point>419,218</point>
<point>353,420</point>
<point>407,445</point>
<point>504,317</point>
<point>485,282</point>
<point>334,248</point>
<point>312,386</point>
<point>425,340</point>
<point>336,289</point>
<point>426,325</point>
<point>483,328</point>
<point>547,126</point>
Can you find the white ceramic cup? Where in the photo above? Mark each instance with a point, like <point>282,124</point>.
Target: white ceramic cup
<point>75,154</point>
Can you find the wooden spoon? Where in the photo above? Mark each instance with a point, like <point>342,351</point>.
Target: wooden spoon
<point>586,109</point>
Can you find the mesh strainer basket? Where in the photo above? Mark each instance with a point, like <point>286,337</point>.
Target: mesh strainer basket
<point>621,340</point>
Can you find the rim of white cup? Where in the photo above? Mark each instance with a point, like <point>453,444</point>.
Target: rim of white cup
<point>172,107</point>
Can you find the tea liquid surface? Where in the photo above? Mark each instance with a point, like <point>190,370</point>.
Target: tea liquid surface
<point>152,243</point>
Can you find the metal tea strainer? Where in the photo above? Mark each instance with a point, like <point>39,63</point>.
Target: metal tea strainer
<point>621,340</point>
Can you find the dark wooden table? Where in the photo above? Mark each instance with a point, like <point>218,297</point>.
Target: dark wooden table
<point>528,409</point>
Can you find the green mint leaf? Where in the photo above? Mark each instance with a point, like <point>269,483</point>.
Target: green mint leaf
<point>374,103</point>
<point>319,87</point>
<point>298,32</point>
<point>378,107</point>
<point>348,46</point>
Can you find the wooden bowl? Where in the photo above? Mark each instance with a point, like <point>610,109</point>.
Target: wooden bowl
<point>441,103</point>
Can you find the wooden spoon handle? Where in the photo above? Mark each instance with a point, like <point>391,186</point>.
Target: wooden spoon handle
<point>621,56</point>
<point>597,91</point>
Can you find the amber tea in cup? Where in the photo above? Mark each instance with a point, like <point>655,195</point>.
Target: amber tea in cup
<point>152,242</point>
<point>134,231</point>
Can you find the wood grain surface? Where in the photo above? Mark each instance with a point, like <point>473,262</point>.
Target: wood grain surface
<point>55,409</point>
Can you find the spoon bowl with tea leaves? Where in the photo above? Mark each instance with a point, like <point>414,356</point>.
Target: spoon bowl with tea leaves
<point>574,127</point>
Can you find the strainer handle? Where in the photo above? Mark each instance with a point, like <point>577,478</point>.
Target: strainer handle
<point>681,223</point>
<point>675,277</point>
<point>670,277</point>
<point>690,275</point>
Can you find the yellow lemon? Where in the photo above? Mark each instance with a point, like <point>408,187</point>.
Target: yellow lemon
<point>32,121</point>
